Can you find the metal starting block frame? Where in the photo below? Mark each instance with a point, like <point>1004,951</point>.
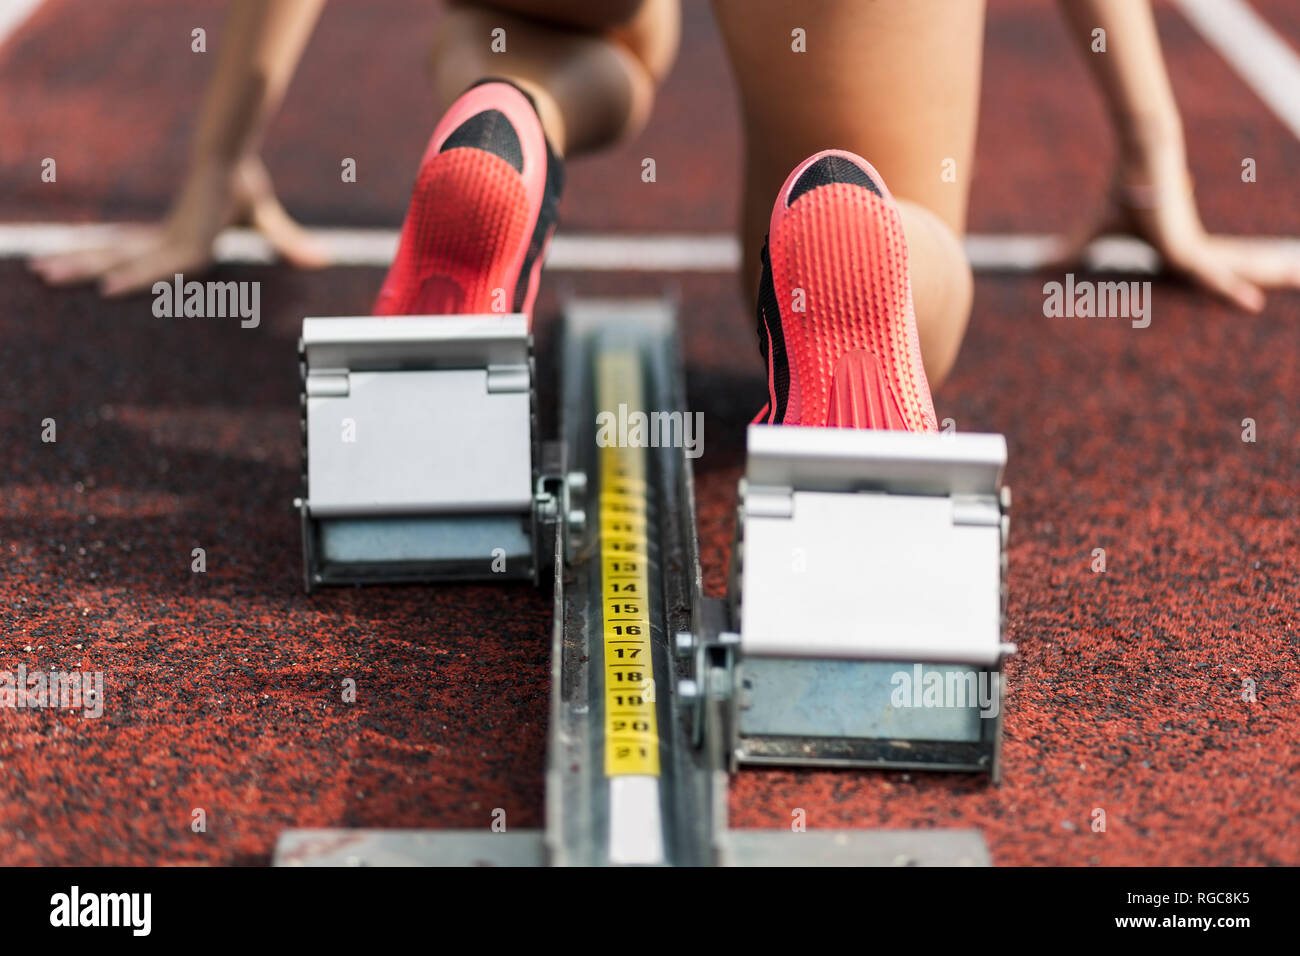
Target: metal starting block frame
<point>420,455</point>
<point>860,556</point>
<point>866,603</point>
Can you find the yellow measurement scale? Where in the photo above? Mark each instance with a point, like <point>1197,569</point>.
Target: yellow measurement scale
<point>631,730</point>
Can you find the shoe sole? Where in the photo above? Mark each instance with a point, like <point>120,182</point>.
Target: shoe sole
<point>467,232</point>
<point>843,247</point>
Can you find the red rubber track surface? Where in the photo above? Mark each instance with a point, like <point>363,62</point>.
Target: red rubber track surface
<point>224,688</point>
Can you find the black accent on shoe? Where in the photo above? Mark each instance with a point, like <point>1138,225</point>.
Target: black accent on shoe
<point>828,170</point>
<point>491,132</point>
<point>769,328</point>
<point>547,216</point>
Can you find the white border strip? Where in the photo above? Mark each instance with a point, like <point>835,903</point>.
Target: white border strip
<point>1264,60</point>
<point>13,14</point>
<point>600,252</point>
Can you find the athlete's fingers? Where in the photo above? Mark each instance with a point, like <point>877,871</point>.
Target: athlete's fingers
<point>82,265</point>
<point>286,236</point>
<point>1208,270</point>
<point>111,246</point>
<point>1272,268</point>
<point>160,262</point>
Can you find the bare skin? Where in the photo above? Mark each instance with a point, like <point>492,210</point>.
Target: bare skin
<point>591,68</point>
<point>896,81</point>
<point>908,108</point>
<point>1153,195</point>
<point>226,183</point>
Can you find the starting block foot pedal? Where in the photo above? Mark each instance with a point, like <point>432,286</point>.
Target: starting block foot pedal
<point>420,459</point>
<point>868,599</point>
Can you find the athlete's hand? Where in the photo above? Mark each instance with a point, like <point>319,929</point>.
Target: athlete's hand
<point>133,257</point>
<point>1154,201</point>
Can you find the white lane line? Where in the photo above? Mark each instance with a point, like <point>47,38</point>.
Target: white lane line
<point>650,253</point>
<point>593,252</point>
<point>13,13</point>
<point>1264,60</point>
<point>599,252</point>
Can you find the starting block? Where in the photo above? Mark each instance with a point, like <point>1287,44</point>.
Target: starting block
<point>866,602</point>
<point>863,625</point>
<point>420,457</point>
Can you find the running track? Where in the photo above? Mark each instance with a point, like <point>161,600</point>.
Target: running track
<point>222,688</point>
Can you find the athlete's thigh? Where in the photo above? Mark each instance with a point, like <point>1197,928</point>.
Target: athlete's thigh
<point>896,81</point>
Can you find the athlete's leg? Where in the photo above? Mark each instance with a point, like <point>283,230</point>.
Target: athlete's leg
<point>591,66</point>
<point>521,83</point>
<point>895,81</point>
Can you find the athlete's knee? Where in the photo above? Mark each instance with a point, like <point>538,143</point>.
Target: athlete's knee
<point>460,52</point>
<point>461,26</point>
<point>652,35</point>
<point>613,14</point>
<point>958,280</point>
<point>963,283</point>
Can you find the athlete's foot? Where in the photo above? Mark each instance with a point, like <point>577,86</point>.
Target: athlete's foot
<point>835,318</point>
<point>482,212</point>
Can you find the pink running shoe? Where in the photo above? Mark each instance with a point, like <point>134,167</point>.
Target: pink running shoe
<point>835,318</point>
<point>482,212</point>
